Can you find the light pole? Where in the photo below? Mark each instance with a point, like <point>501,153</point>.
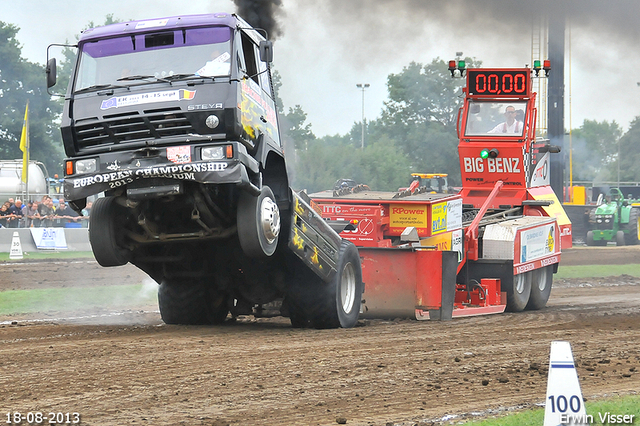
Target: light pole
<point>362,87</point>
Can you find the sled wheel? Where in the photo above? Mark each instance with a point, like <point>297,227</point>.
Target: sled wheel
<point>518,292</point>
<point>258,223</point>
<point>106,224</point>
<point>541,282</point>
<point>190,303</point>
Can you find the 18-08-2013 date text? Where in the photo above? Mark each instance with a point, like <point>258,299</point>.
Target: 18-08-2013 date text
<point>42,418</point>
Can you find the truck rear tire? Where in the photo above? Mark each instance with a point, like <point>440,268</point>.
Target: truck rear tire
<point>190,303</point>
<point>258,223</point>
<point>541,282</point>
<point>620,238</point>
<point>343,296</point>
<point>106,225</point>
<point>518,292</point>
<point>314,303</point>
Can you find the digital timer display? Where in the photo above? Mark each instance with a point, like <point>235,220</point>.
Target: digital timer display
<point>498,82</point>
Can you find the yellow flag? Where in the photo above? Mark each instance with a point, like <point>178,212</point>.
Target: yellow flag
<point>24,145</point>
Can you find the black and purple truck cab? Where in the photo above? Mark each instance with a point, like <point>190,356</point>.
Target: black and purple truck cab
<point>185,98</point>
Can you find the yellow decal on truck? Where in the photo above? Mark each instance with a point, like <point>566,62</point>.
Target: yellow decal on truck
<point>438,218</point>
<point>403,215</point>
<point>441,242</point>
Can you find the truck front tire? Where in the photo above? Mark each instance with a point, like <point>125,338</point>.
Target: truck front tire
<point>190,303</point>
<point>258,223</point>
<point>106,225</point>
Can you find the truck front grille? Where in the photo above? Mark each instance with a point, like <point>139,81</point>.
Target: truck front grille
<point>130,127</point>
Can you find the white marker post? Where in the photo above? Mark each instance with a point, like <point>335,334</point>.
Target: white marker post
<point>16,247</point>
<point>564,404</point>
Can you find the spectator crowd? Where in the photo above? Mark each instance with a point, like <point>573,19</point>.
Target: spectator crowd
<point>46,213</point>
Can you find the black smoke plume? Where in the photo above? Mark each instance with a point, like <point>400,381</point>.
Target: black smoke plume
<point>261,14</point>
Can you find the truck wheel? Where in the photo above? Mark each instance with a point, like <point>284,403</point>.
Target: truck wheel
<point>258,223</point>
<point>541,282</point>
<point>343,295</point>
<point>620,238</point>
<point>301,297</point>
<point>590,241</point>
<point>105,232</point>
<point>190,303</point>
<point>518,292</point>
<point>631,238</point>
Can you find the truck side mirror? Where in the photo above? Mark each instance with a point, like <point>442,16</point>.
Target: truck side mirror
<point>51,72</point>
<point>266,51</point>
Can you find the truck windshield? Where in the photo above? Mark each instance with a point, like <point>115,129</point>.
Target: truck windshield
<point>142,58</point>
<point>504,118</point>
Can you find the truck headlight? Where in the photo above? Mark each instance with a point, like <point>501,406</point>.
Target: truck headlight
<point>213,153</point>
<point>86,166</point>
<point>212,121</point>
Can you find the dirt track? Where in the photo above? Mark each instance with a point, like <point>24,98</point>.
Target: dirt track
<point>266,373</point>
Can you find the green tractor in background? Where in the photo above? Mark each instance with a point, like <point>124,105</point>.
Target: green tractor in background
<point>615,219</point>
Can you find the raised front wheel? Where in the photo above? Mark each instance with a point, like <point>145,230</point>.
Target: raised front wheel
<point>258,223</point>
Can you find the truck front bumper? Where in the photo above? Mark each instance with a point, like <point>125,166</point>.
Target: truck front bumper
<point>119,169</point>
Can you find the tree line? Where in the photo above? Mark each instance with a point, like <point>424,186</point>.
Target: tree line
<point>416,131</point>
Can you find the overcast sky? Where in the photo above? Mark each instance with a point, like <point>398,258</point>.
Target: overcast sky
<point>326,47</point>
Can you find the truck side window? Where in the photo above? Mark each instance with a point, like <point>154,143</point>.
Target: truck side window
<point>264,78</point>
<point>249,50</point>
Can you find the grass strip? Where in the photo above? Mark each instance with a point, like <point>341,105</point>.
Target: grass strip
<point>48,254</point>
<point>623,405</point>
<point>596,271</point>
<point>75,298</point>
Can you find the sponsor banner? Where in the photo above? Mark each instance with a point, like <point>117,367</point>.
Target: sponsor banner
<point>449,241</point>
<point>454,214</point>
<point>438,218</point>
<point>442,242</point>
<point>179,154</point>
<point>446,216</point>
<point>49,238</point>
<point>457,239</point>
<point>404,215</point>
<point>82,186</point>
<point>147,98</point>
<point>347,210</point>
<point>536,264</point>
<point>540,175</point>
<point>537,242</point>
